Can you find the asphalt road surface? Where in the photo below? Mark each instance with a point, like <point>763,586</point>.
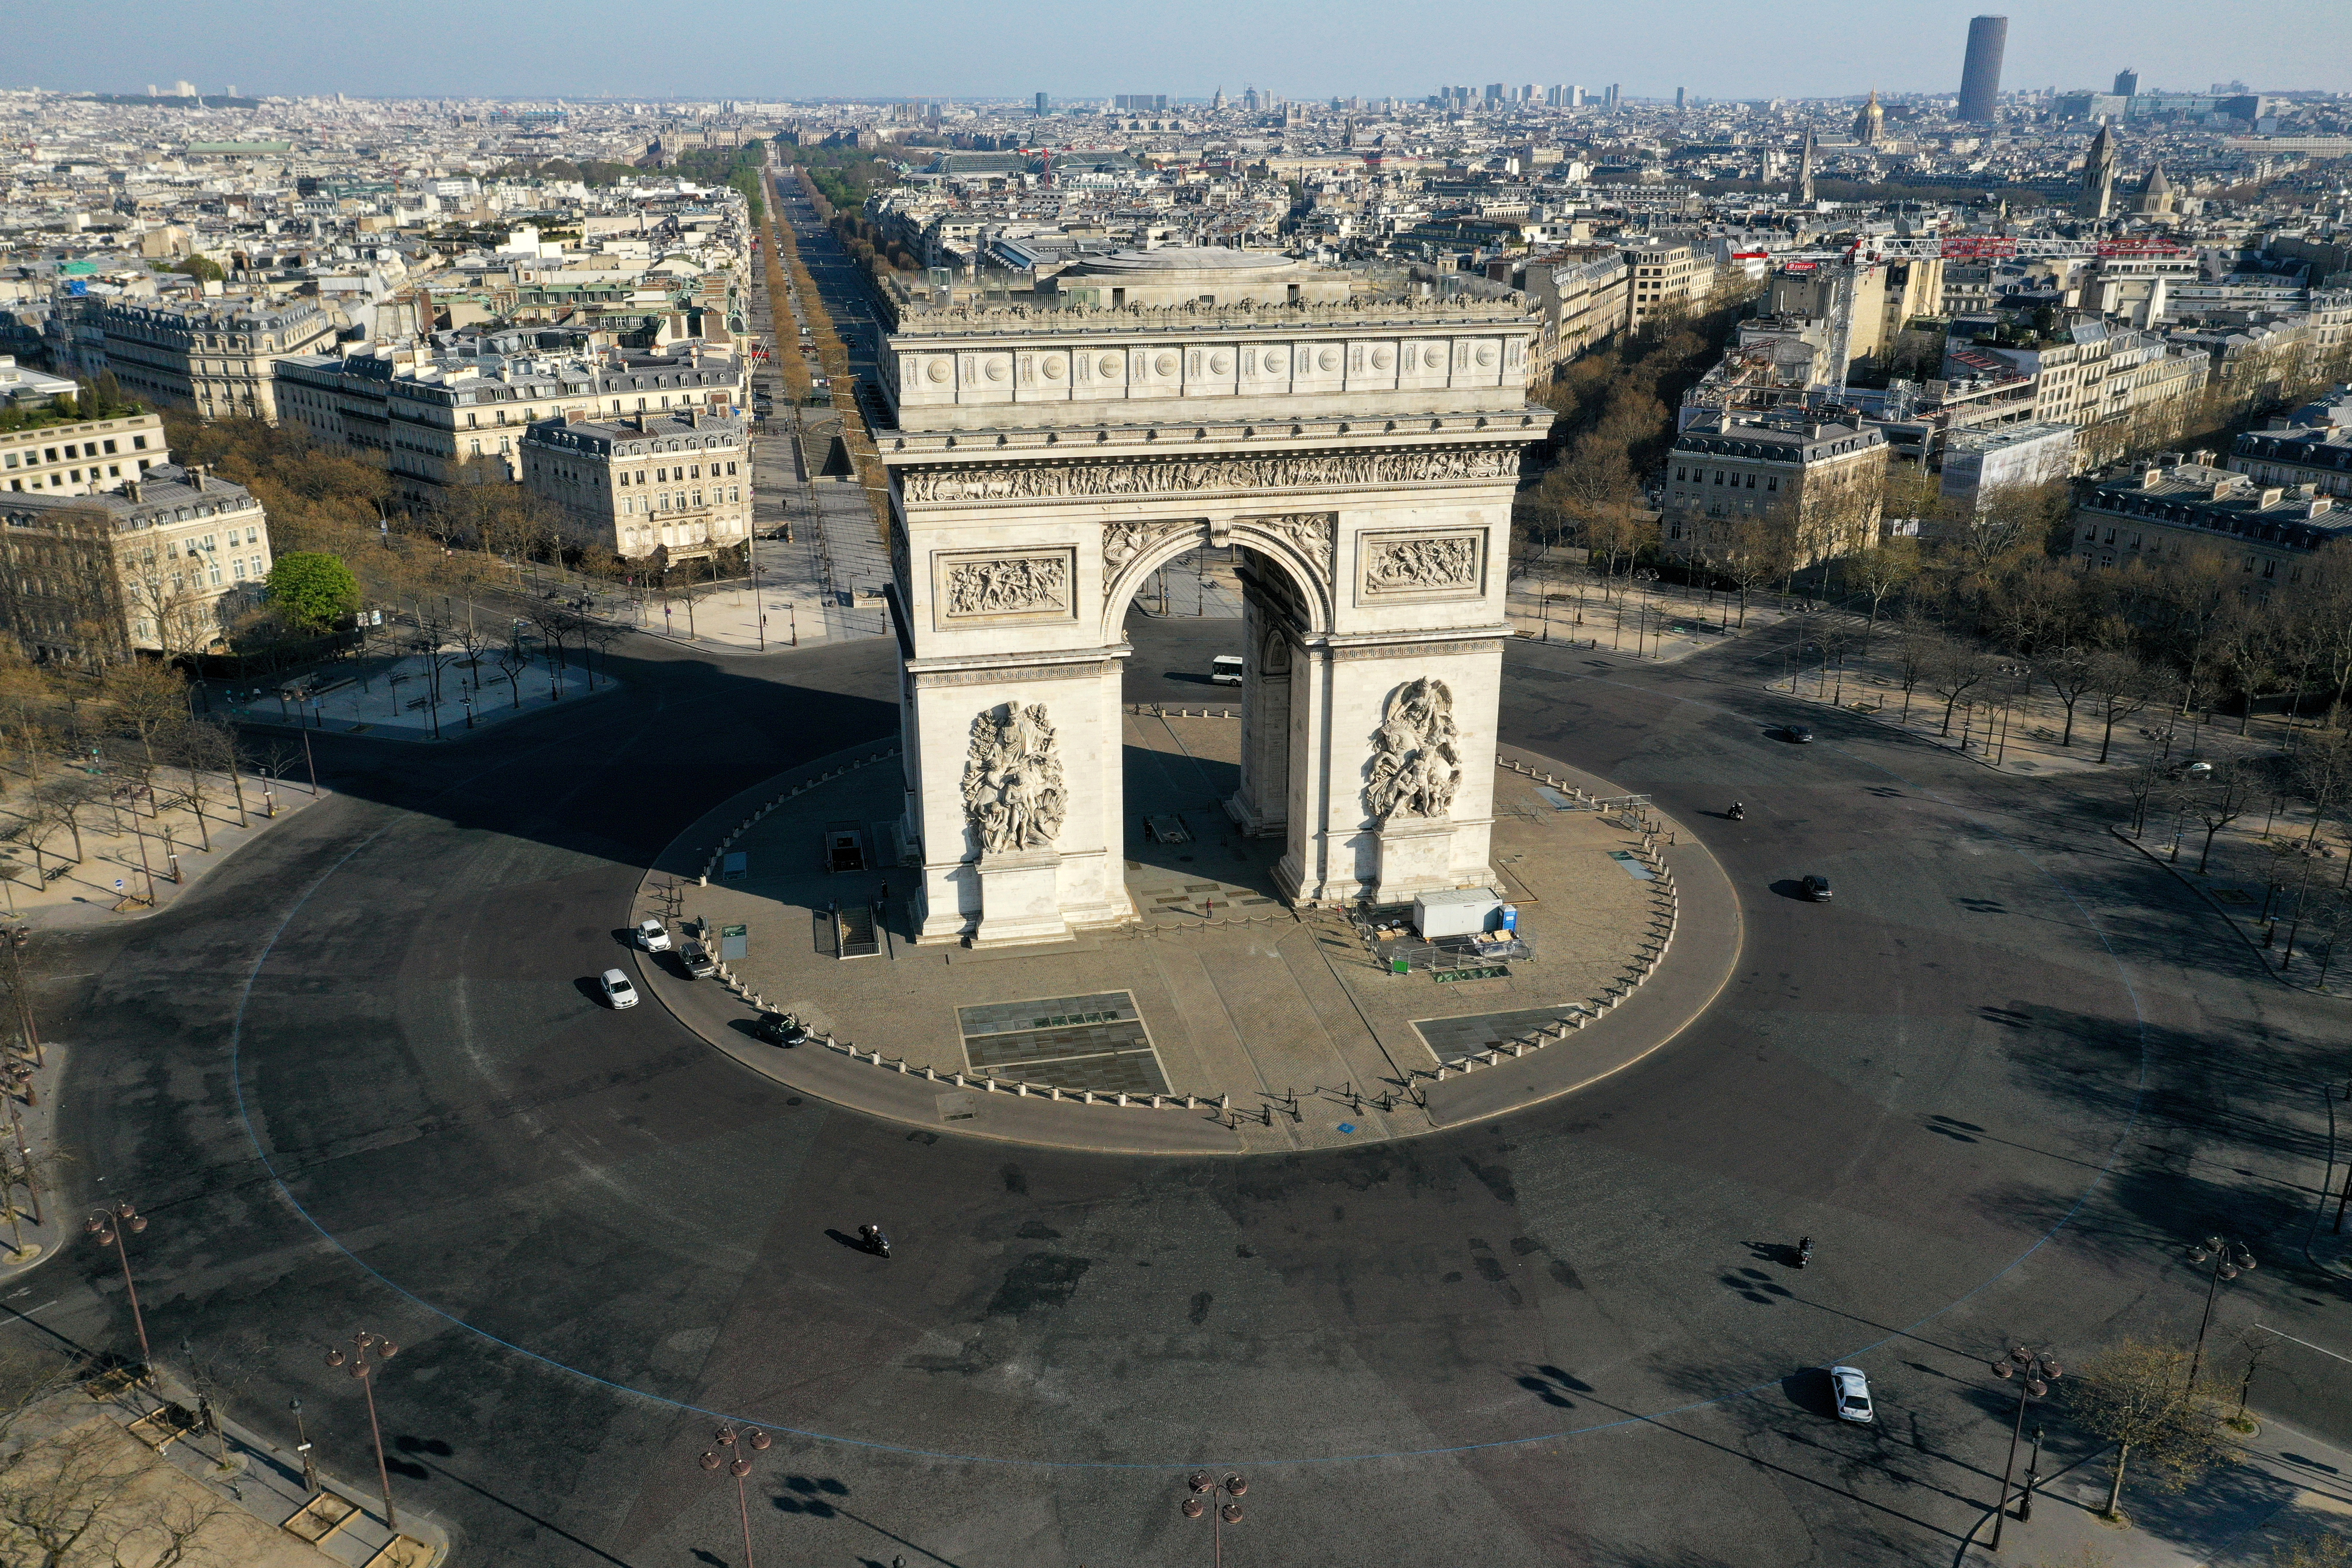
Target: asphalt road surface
<point>358,1081</point>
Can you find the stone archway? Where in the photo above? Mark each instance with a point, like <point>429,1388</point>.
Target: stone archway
<point>1375,549</point>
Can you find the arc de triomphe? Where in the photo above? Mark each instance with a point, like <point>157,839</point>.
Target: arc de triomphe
<point>1047,460</point>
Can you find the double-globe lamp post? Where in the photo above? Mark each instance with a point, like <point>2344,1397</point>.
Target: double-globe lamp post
<point>2229,1259</point>
<point>739,1467</point>
<point>1206,1492</point>
<point>108,1226</point>
<point>2035,1371</point>
<point>363,1370</point>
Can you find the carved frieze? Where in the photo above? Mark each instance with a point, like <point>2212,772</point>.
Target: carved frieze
<point>1422,565</point>
<point>1308,470</point>
<point>1416,762</point>
<point>1124,540</point>
<point>1310,532</point>
<point>1012,789</point>
<point>1029,584</point>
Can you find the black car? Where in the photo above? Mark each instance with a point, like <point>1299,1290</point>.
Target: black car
<point>782,1029</point>
<point>1817,889</point>
<point>1799,735</point>
<point>696,959</point>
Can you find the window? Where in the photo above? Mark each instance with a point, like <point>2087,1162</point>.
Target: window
<point>139,443</point>
<point>110,448</point>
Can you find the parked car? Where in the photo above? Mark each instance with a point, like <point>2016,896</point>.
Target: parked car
<point>653,936</point>
<point>2192,769</point>
<point>618,991</point>
<point>1817,888</point>
<point>1799,735</point>
<point>697,958</point>
<point>1850,1390</point>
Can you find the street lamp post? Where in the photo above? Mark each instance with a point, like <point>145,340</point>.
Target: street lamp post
<point>1206,1491</point>
<point>364,1370</point>
<point>2229,1258</point>
<point>108,1226</point>
<point>302,1447</point>
<point>2035,1372</point>
<point>740,1466</point>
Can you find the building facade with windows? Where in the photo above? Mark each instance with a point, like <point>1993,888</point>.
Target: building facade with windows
<point>658,488</point>
<point>82,457</point>
<point>2165,512</point>
<point>2320,457</point>
<point>1666,275</point>
<point>217,357</point>
<point>158,565</point>
<point>1585,294</point>
<point>1810,487</point>
<point>461,420</point>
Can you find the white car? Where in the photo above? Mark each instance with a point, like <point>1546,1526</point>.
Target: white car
<point>617,990</point>
<point>653,936</point>
<point>1851,1392</point>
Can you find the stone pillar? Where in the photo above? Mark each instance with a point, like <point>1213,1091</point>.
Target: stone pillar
<point>1262,805</point>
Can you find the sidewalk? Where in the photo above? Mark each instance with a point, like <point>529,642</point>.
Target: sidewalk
<point>398,702</point>
<point>1662,623</point>
<point>2284,1485</point>
<point>138,854</point>
<point>264,1484</point>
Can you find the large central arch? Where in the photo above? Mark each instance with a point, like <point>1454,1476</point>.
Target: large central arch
<point>1373,503</point>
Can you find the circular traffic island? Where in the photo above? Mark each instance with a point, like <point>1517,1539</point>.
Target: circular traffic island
<point>1221,1019</point>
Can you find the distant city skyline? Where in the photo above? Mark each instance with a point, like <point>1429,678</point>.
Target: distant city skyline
<point>1311,49</point>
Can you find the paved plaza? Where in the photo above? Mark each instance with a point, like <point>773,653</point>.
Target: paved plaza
<point>399,700</point>
<point>1292,1023</point>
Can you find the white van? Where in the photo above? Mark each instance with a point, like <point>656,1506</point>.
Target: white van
<point>1226,669</point>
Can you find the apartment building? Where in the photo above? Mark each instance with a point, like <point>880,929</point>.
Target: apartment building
<point>1666,275</point>
<point>1813,485</point>
<point>653,486</point>
<point>217,357</point>
<point>2170,510</point>
<point>82,457</point>
<point>1585,292</point>
<point>158,565</point>
<point>460,418</point>
<point>2118,387</point>
<point>2318,458</point>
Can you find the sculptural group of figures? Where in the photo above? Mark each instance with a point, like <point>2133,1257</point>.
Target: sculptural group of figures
<point>1012,788</point>
<point>1307,471</point>
<point>1416,762</point>
<point>1013,584</point>
<point>1447,562</point>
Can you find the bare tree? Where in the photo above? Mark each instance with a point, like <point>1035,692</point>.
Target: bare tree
<point>2122,686</point>
<point>1957,669</point>
<point>2220,801</point>
<point>2072,673</point>
<point>67,799</point>
<point>2137,1397</point>
<point>1883,569</point>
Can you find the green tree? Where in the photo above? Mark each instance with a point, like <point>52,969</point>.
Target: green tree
<point>312,592</point>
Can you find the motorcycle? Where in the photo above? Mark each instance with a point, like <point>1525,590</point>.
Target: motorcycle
<point>1738,813</point>
<point>1804,1251</point>
<point>875,1242</point>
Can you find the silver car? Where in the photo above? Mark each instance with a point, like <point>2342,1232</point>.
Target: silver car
<point>1851,1390</point>
<point>617,990</point>
<point>653,936</point>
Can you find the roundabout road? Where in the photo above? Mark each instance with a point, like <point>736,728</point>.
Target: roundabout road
<point>358,1081</point>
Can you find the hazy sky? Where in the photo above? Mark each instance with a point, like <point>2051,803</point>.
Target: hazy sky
<point>1301,48</point>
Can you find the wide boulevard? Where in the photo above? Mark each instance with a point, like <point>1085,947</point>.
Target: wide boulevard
<point>358,1079</point>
